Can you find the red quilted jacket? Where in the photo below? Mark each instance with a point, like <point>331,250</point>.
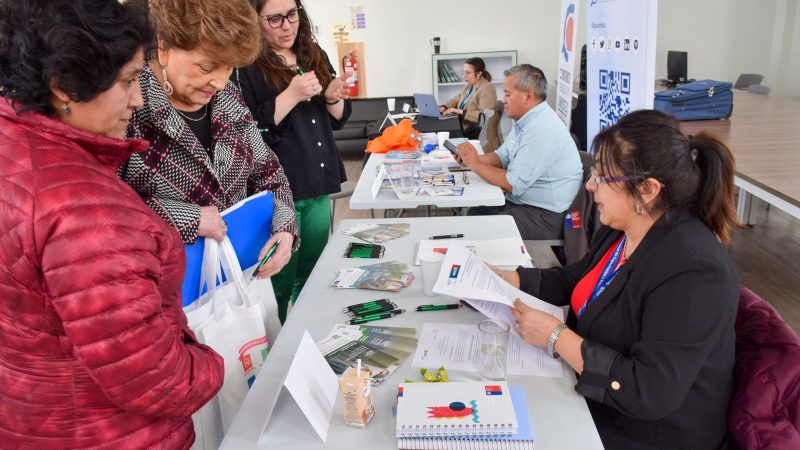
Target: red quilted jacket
<point>94,347</point>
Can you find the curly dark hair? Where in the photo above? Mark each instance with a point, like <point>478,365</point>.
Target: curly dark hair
<point>78,46</point>
<point>309,55</point>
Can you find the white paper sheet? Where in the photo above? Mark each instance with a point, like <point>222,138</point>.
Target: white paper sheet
<point>313,385</point>
<point>456,346</point>
<point>508,251</point>
<point>464,275</point>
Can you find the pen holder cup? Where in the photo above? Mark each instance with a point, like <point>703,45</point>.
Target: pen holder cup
<point>431,266</point>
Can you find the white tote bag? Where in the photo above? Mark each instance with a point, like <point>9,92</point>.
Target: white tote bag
<point>231,322</point>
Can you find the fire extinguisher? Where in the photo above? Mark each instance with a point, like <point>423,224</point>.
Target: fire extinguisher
<point>350,64</point>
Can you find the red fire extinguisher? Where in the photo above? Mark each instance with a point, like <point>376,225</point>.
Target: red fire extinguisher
<point>350,64</point>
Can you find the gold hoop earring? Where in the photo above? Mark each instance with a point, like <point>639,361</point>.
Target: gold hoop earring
<point>65,108</point>
<point>167,85</point>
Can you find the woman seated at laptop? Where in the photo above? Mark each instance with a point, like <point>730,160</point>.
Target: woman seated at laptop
<point>650,328</point>
<point>477,95</point>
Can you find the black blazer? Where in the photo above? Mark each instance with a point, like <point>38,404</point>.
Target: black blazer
<point>659,341</point>
<point>304,139</point>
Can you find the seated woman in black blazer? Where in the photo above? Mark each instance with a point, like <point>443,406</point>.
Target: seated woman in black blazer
<point>652,306</point>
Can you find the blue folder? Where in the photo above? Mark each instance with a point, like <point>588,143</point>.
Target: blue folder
<point>249,228</point>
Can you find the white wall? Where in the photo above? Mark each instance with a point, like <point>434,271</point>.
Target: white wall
<point>723,37</point>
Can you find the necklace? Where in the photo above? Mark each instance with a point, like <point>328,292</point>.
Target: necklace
<point>186,116</point>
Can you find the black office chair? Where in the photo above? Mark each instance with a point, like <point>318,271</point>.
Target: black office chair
<point>576,239</point>
<point>746,80</point>
<point>578,122</point>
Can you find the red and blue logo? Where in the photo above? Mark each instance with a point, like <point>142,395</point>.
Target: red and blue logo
<point>493,390</point>
<point>454,270</point>
<point>569,27</point>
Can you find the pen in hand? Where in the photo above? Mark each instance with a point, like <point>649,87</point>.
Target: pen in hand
<point>266,258</point>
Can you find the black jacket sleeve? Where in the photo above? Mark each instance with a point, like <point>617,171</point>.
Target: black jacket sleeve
<point>260,98</point>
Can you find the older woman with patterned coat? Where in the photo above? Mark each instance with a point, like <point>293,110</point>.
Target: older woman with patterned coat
<point>205,152</point>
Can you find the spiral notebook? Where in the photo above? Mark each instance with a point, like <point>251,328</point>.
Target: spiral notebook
<point>472,408</point>
<point>521,440</point>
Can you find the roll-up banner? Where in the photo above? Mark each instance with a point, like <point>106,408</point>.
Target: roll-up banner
<point>566,59</point>
<point>621,59</point>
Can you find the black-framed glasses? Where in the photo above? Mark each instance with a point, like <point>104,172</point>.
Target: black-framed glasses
<point>276,20</point>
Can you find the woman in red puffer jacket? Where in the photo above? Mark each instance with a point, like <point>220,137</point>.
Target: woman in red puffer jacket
<point>94,348</point>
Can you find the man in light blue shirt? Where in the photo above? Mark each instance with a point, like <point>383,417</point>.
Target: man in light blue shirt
<point>538,166</point>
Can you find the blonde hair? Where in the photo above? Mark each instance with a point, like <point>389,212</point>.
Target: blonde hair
<point>227,29</point>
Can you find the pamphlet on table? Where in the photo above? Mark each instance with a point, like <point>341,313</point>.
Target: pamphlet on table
<point>378,233</point>
<point>386,276</point>
<point>381,349</point>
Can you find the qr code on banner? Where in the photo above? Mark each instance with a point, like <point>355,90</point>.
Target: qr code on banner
<point>615,96</point>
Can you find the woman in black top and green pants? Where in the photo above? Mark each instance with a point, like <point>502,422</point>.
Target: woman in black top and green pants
<point>296,99</point>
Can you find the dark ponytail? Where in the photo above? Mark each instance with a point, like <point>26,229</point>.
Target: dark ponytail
<point>696,172</point>
<point>715,194</point>
<point>479,66</point>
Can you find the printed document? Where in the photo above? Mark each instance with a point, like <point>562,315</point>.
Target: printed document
<point>456,347</point>
<point>463,275</point>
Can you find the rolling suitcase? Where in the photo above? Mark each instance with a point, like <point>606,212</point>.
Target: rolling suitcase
<point>698,100</point>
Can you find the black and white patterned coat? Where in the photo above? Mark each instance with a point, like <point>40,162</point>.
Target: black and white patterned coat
<point>176,175</point>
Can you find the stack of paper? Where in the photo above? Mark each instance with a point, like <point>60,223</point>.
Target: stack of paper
<point>438,191</point>
<point>464,276</point>
<point>438,180</point>
<point>402,154</point>
<point>439,158</point>
<point>378,233</point>
<point>457,346</point>
<point>497,252</point>
<point>381,349</point>
<point>387,276</point>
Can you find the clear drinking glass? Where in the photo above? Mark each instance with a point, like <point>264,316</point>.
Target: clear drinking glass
<point>493,355</point>
<point>409,182</point>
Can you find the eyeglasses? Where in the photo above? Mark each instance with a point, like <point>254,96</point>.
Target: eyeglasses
<point>601,179</point>
<point>276,20</point>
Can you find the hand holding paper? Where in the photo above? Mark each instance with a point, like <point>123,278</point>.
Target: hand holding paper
<point>464,275</point>
<point>534,326</point>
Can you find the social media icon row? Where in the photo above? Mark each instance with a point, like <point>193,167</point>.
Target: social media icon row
<point>615,44</point>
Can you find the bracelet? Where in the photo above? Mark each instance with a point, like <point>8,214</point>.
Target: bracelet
<point>332,103</point>
<point>551,343</point>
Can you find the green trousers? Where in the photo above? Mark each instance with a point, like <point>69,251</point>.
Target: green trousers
<point>313,224</point>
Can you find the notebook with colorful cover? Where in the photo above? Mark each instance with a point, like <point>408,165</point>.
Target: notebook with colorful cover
<point>471,408</point>
<point>522,439</point>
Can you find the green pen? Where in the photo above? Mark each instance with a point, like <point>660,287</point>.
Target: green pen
<point>299,71</point>
<point>368,304</point>
<point>383,315</point>
<point>438,307</point>
<point>269,254</point>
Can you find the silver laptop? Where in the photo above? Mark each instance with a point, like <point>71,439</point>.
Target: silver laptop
<point>427,105</point>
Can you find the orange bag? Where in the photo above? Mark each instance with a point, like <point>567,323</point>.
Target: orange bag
<point>397,137</point>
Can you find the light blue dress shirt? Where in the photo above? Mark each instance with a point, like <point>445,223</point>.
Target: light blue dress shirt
<point>542,163</point>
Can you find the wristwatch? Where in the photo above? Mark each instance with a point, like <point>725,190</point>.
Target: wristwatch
<point>551,343</point>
